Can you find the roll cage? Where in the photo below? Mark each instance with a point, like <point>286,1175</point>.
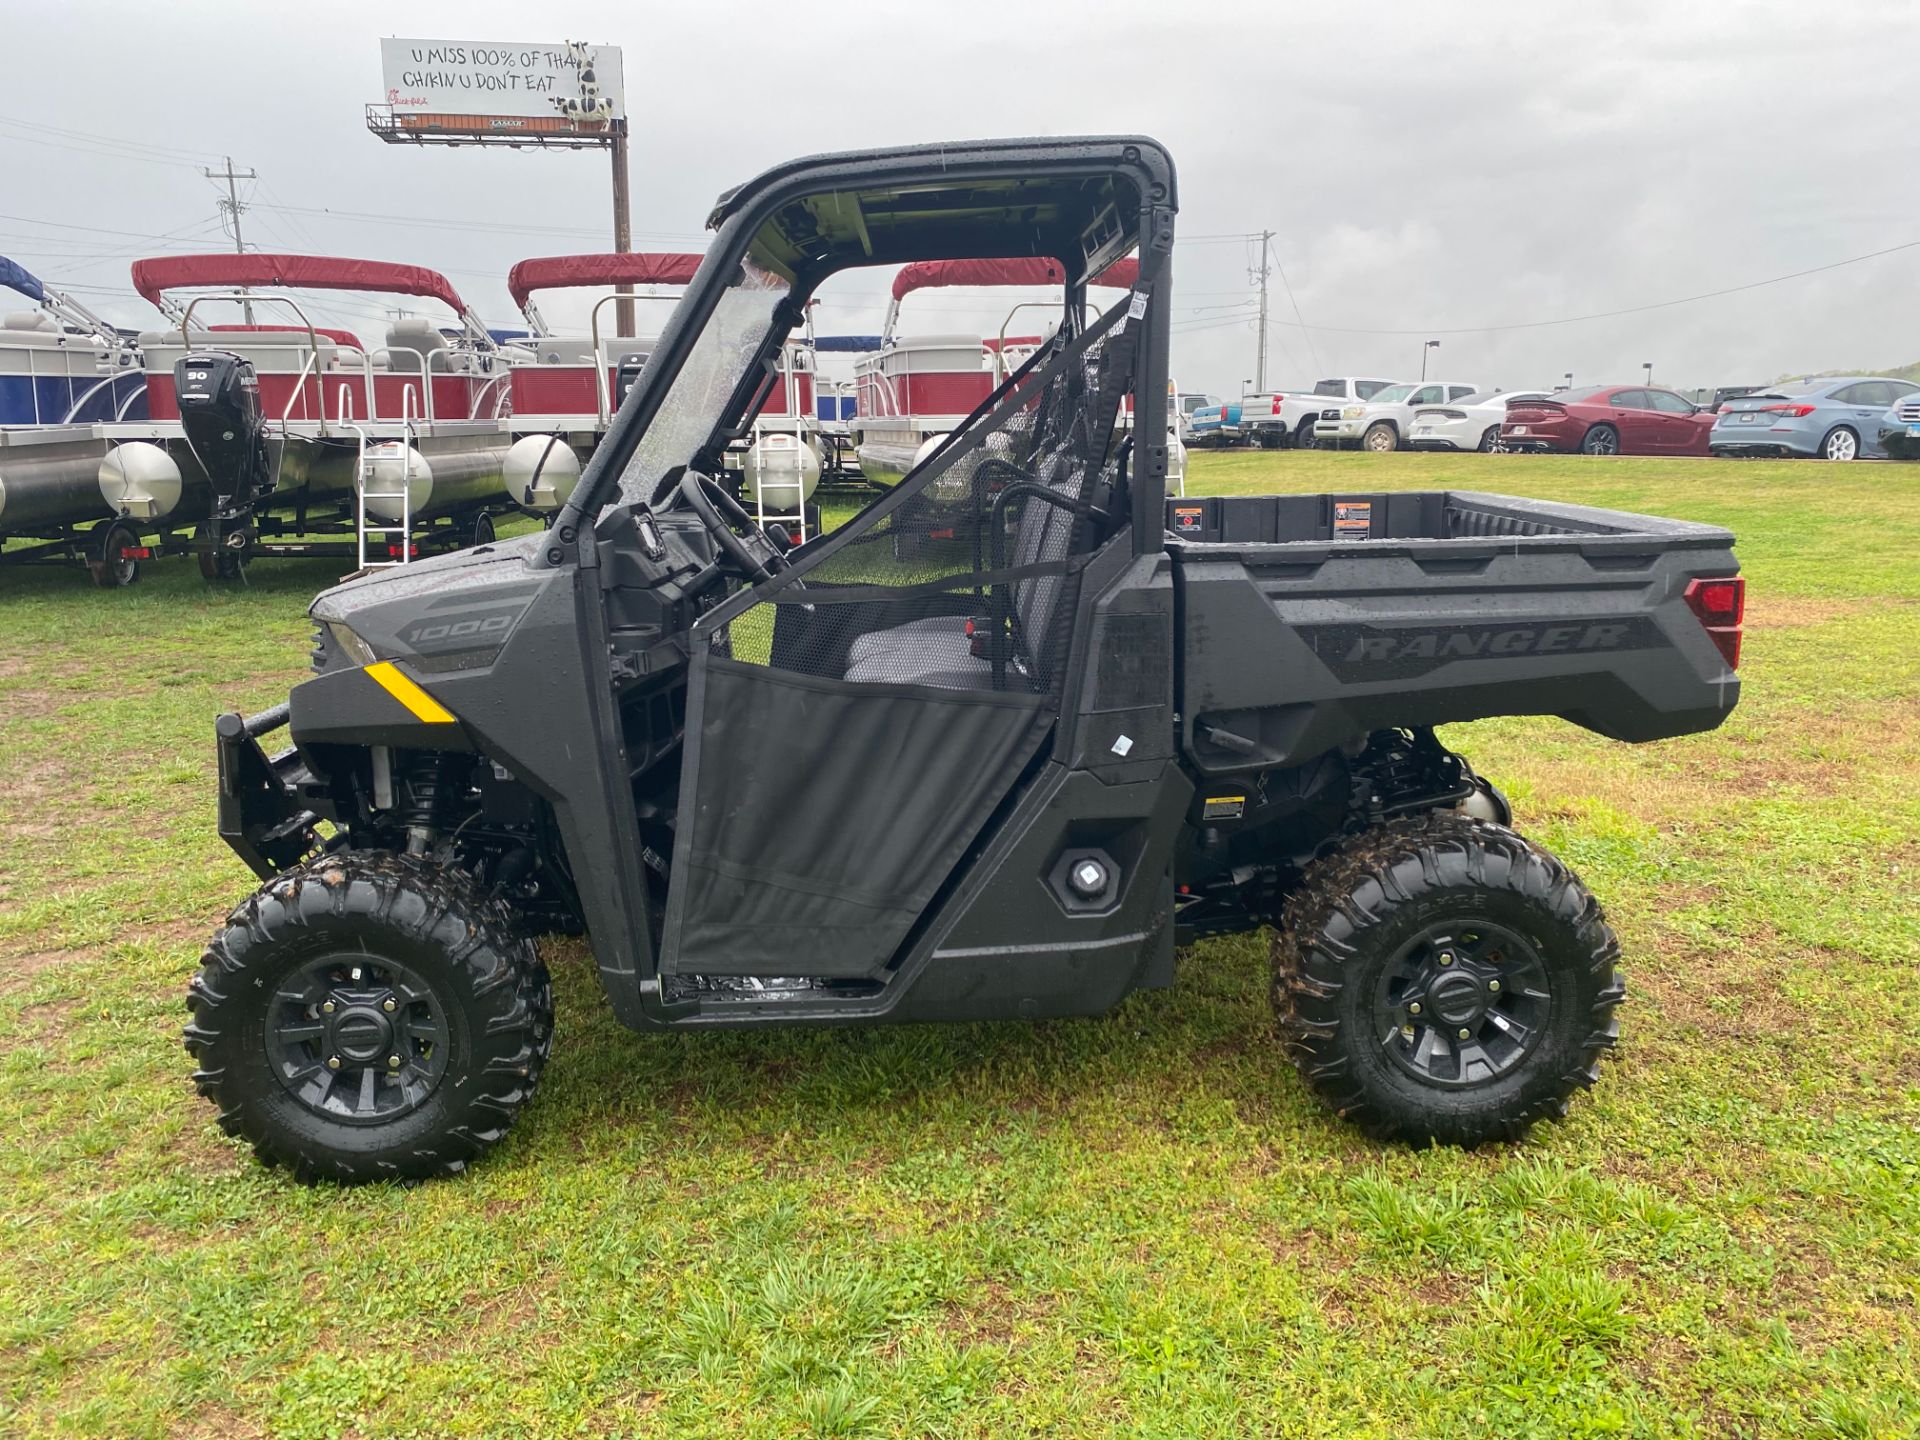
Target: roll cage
<point>1081,202</point>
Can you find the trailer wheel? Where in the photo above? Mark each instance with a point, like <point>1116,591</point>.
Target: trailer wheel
<point>1444,979</point>
<point>219,559</point>
<point>483,529</point>
<point>107,561</point>
<point>369,1016</point>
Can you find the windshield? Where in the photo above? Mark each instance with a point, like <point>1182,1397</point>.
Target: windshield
<point>728,341</point>
<point>1392,395</point>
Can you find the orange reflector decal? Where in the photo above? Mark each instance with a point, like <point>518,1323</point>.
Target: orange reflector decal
<point>423,705</point>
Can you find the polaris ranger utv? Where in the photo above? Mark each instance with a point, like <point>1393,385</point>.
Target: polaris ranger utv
<point>1004,776</point>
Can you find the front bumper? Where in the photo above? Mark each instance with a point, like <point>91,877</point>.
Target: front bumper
<point>261,814</point>
<point>1338,432</point>
<point>1899,443</point>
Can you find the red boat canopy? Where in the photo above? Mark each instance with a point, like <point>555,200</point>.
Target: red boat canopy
<point>1026,270</point>
<point>307,272</point>
<point>557,272</point>
<point>339,337</point>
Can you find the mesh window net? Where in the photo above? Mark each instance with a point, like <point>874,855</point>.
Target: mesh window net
<point>964,577</point>
<point>863,717</point>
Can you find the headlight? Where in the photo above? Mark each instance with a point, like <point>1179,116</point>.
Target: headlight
<point>351,645</point>
<point>1353,412</point>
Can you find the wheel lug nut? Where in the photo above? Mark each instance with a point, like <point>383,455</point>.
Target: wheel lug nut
<point>1466,1034</point>
<point>327,1008</point>
<point>1407,1030</point>
<point>393,1062</point>
<point>333,1062</point>
<point>387,1004</point>
<point>1446,957</point>
<point>1494,985</point>
<point>1414,1008</point>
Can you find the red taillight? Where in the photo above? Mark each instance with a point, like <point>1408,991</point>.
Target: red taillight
<point>1794,410</point>
<point>136,552</point>
<point>1720,605</point>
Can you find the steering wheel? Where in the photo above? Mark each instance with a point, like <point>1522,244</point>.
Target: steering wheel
<point>731,525</point>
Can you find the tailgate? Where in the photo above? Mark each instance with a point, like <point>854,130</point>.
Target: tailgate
<point>1310,621</point>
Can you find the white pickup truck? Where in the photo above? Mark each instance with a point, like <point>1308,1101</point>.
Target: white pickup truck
<point>1287,417</point>
<point>1381,421</point>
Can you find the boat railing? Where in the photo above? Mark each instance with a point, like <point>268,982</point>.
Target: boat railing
<point>248,299</point>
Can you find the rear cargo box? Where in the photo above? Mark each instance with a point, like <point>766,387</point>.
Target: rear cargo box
<point>1310,620</point>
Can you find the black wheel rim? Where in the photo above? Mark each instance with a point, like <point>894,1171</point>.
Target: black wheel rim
<point>1462,1004</point>
<point>357,1039</point>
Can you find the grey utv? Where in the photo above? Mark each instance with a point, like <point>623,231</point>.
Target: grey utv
<point>1006,775</point>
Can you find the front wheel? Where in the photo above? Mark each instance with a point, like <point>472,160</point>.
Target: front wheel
<point>1841,444</point>
<point>369,1016</point>
<point>1600,440</point>
<point>1381,437</point>
<point>1444,979</point>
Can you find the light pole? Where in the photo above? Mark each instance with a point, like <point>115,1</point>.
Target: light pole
<point>1430,345</point>
<point>1243,390</point>
<point>1647,365</point>
<point>1569,379</point>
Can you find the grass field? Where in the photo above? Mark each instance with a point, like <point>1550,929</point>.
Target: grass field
<point>1139,1225</point>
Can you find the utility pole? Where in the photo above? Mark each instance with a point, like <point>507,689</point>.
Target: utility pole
<point>622,224</point>
<point>232,206</point>
<point>1266,269</point>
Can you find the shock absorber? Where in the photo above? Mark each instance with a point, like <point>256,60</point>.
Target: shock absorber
<point>433,785</point>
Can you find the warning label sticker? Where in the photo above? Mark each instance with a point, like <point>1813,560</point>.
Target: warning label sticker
<point>1188,518</point>
<point>1353,519</point>
<point>1224,807</point>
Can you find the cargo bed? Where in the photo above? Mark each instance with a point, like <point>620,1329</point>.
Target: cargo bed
<point>1310,620</point>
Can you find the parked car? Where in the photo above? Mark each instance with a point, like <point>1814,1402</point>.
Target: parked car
<point>1610,420</point>
<point>1898,431</point>
<point>1833,417</point>
<point>1203,419</point>
<point>1381,422</point>
<point>1470,423</point>
<point>1288,417</point>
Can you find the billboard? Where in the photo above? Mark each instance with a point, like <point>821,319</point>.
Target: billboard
<point>493,85</point>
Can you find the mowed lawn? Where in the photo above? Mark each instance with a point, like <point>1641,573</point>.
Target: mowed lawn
<point>1138,1225</point>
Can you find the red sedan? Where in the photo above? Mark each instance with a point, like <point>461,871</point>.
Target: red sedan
<point>1612,420</point>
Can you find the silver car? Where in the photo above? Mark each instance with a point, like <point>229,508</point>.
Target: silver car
<point>1834,417</point>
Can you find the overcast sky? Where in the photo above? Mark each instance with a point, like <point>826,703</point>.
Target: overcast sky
<point>1424,168</point>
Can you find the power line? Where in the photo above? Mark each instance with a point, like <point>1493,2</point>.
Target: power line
<point>1298,317</point>
<point>1624,310</point>
<point>97,138</point>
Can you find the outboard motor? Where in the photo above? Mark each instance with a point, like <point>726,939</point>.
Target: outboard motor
<point>219,399</point>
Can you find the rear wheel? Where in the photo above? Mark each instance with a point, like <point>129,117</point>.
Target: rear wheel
<point>1842,443</point>
<point>1303,437</point>
<point>483,529</point>
<point>1490,439</point>
<point>108,562</point>
<point>369,1016</point>
<point>1444,979</point>
<point>1381,437</point>
<point>1600,440</point>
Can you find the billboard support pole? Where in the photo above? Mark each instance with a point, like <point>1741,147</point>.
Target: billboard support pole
<point>622,222</point>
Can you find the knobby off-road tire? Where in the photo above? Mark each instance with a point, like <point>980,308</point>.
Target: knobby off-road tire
<point>1408,914</point>
<point>369,1016</point>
